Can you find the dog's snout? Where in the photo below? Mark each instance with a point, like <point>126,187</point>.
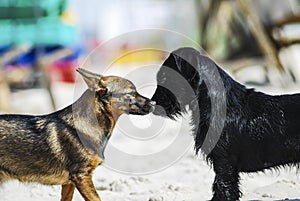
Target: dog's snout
<point>142,105</point>
<point>143,101</point>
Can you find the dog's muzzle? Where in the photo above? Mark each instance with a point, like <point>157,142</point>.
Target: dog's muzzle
<point>143,107</point>
<point>148,107</point>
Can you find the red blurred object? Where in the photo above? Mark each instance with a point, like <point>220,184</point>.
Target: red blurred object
<point>62,71</point>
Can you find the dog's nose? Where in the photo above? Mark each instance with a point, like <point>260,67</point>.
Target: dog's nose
<point>152,103</point>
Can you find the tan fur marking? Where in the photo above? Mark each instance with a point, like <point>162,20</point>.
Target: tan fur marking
<point>54,143</point>
<point>85,186</point>
<point>95,161</point>
<point>67,192</point>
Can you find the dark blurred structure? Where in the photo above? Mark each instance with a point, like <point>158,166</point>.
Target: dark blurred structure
<point>36,38</point>
<point>235,29</point>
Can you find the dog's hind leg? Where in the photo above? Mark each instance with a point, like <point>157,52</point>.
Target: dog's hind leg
<point>85,186</point>
<point>226,184</point>
<point>67,192</point>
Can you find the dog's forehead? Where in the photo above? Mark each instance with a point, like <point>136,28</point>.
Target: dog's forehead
<point>119,84</point>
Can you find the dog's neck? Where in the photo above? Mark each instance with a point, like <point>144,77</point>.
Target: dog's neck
<point>92,121</point>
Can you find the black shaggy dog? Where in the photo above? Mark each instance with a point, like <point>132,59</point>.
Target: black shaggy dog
<point>238,129</point>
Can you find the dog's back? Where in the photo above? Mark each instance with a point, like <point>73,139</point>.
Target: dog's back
<point>268,131</point>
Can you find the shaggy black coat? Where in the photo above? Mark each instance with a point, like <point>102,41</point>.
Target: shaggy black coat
<point>249,131</point>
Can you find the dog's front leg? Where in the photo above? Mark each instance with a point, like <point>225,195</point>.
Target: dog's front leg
<point>67,192</point>
<point>226,184</point>
<point>85,186</point>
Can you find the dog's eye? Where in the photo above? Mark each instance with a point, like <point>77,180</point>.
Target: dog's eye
<point>127,97</point>
<point>130,98</point>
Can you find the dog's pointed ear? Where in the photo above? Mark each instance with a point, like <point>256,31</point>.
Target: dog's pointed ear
<point>93,80</point>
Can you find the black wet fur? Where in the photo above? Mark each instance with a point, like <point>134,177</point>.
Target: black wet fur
<point>260,131</point>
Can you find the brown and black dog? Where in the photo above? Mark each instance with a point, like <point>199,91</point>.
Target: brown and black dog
<point>64,147</point>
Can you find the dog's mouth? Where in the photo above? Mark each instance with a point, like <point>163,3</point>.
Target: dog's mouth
<point>160,111</point>
<point>168,104</point>
<point>169,111</point>
<point>142,110</point>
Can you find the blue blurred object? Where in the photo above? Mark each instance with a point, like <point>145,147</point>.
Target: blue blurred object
<point>29,58</point>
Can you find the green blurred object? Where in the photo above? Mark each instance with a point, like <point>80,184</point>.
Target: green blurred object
<point>43,31</point>
<point>35,21</point>
<point>18,9</point>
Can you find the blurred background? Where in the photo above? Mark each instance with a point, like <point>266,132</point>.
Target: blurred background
<point>42,42</point>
